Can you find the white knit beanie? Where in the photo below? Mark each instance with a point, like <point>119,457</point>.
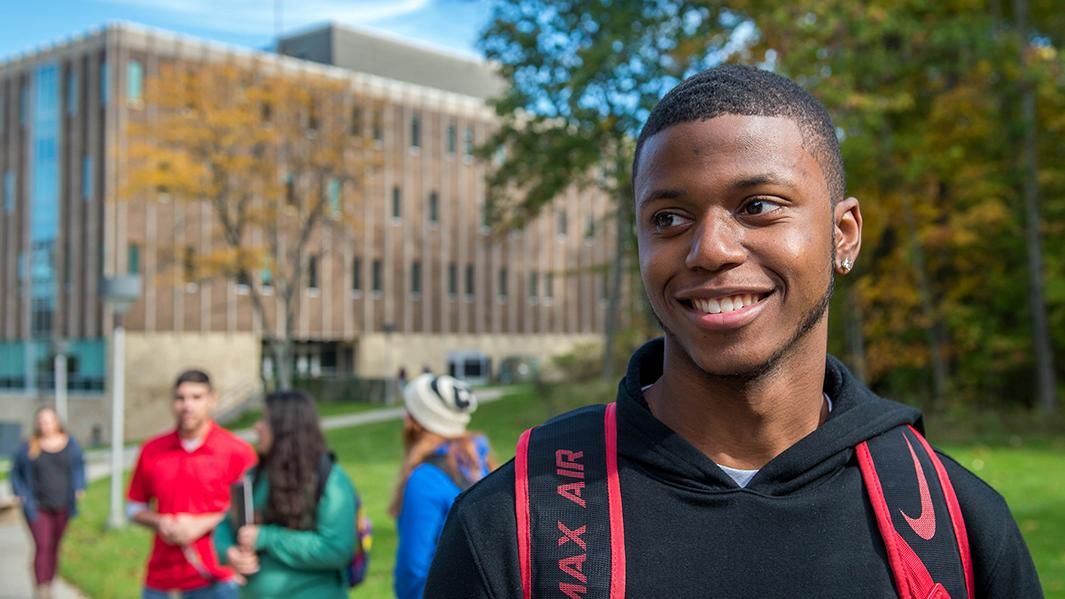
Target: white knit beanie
<point>441,404</point>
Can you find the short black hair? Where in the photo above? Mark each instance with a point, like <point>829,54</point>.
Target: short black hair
<point>192,375</point>
<point>749,91</point>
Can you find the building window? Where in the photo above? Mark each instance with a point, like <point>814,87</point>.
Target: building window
<point>416,278</point>
<point>470,281</point>
<point>72,92</point>
<point>563,223</point>
<point>105,84</point>
<point>134,82</point>
<point>266,279</point>
<point>434,207</point>
<point>312,273</point>
<point>133,259</point>
<point>468,142</point>
<point>604,286</point>
<point>312,118</point>
<point>356,274</point>
<point>502,291</point>
<point>188,265</point>
<point>243,282</point>
<point>378,127</point>
<point>549,286</point>
<point>486,218</point>
<point>589,229</point>
<point>452,279</point>
<point>332,191</point>
<point>9,191</point>
<point>375,276</point>
<point>415,131</point>
<point>355,127</point>
<point>86,177</point>
<point>452,139</point>
<point>397,204</point>
<point>290,189</point>
<point>534,287</point>
<point>24,105</point>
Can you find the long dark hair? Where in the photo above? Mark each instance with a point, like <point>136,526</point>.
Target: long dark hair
<point>291,464</point>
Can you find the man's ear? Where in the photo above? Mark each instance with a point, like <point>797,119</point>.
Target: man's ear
<point>847,233</point>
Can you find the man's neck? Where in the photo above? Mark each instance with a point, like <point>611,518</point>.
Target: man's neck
<point>743,423</point>
<point>197,434</point>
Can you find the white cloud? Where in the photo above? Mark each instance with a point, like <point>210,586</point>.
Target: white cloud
<point>259,17</point>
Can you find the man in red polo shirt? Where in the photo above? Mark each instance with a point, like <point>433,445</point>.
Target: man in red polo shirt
<point>181,489</point>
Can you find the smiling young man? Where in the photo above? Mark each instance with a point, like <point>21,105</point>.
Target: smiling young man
<point>181,489</point>
<point>736,468</point>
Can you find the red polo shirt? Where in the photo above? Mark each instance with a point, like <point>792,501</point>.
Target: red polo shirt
<point>192,482</point>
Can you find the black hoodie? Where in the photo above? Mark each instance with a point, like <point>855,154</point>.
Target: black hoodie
<point>802,527</point>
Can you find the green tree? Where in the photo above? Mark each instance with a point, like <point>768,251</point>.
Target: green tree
<point>926,96</point>
<point>582,77</point>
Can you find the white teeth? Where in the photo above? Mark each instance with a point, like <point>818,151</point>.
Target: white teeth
<point>725,304</point>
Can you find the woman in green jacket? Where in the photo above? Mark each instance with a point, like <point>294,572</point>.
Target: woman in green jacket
<point>303,534</point>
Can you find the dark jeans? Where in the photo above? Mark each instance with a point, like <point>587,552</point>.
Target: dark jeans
<point>47,531</point>
<point>218,590</point>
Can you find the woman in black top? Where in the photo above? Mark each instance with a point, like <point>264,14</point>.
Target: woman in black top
<point>48,477</point>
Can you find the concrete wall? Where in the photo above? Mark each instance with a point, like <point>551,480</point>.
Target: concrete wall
<point>153,360</point>
<point>381,355</point>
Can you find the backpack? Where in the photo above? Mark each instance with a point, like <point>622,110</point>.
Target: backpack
<point>440,461</point>
<point>355,570</point>
<point>571,533</point>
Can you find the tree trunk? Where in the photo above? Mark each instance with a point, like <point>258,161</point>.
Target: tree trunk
<point>617,272</point>
<point>1044,354</point>
<point>282,350</point>
<point>935,332</point>
<point>264,328</point>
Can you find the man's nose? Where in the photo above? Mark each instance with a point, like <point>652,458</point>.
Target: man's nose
<point>717,243</point>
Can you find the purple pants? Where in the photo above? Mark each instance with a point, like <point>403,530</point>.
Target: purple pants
<point>47,531</point>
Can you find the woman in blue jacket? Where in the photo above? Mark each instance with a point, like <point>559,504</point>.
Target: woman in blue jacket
<point>441,460</point>
<point>48,477</point>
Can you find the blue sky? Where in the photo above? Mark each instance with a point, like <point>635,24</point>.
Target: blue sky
<point>451,24</point>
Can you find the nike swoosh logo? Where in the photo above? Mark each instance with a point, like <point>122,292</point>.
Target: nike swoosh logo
<point>925,522</point>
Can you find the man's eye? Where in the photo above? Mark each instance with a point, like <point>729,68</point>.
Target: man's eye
<point>665,220</point>
<point>759,206</point>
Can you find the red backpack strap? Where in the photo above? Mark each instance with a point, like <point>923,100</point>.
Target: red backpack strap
<point>571,540</point>
<point>918,516</point>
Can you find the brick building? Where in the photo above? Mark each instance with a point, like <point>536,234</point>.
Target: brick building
<point>426,285</point>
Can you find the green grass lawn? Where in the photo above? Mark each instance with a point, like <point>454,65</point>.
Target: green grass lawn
<point>109,564</point>
<point>325,410</point>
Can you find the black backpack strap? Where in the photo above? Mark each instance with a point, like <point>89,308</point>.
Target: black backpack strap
<point>918,516</point>
<point>325,466</point>
<point>571,539</point>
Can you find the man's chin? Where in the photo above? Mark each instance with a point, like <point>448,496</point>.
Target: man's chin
<point>742,365</point>
<point>740,369</point>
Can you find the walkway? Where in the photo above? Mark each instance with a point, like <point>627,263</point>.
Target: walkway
<point>16,555</point>
<point>16,561</point>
